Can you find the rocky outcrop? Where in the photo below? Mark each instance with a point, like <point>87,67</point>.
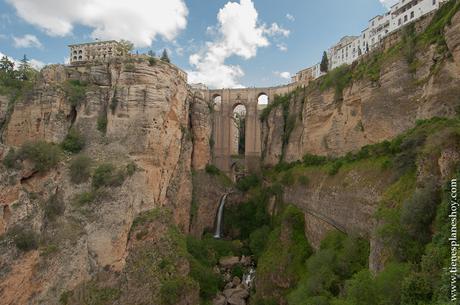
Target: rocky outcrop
<point>146,113</point>
<point>368,112</point>
<point>201,129</point>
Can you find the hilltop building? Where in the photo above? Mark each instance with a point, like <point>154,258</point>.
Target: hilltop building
<point>98,50</point>
<point>351,48</point>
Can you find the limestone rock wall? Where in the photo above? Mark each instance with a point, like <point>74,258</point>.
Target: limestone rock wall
<point>147,110</point>
<point>369,112</point>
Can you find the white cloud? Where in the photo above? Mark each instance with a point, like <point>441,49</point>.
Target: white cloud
<point>275,29</point>
<point>282,47</point>
<point>290,17</point>
<point>285,75</point>
<point>27,41</point>
<point>139,21</point>
<point>388,3</point>
<point>238,33</point>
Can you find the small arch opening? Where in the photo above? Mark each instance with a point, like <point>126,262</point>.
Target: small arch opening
<point>262,101</point>
<point>239,130</point>
<point>217,102</point>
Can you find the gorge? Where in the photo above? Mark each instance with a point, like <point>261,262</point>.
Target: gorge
<point>116,177</point>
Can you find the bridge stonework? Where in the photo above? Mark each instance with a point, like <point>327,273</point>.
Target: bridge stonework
<point>223,128</point>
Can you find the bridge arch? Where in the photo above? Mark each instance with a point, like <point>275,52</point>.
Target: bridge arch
<point>223,120</point>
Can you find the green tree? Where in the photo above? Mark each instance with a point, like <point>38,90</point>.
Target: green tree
<point>124,47</point>
<point>324,66</point>
<point>24,69</point>
<point>165,56</point>
<point>6,65</point>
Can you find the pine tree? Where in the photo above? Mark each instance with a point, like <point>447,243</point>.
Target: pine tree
<point>24,68</point>
<point>324,66</point>
<point>164,56</point>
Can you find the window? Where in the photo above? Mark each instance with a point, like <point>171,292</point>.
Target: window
<point>412,15</point>
<point>434,2</point>
<point>405,18</point>
<point>399,21</point>
<point>75,58</point>
<point>80,57</point>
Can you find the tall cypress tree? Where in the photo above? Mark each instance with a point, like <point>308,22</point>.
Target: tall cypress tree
<point>165,57</point>
<point>324,66</point>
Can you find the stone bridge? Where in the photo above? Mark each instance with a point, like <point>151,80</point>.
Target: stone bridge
<point>225,101</point>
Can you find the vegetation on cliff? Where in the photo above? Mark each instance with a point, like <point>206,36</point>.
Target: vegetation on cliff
<point>414,228</point>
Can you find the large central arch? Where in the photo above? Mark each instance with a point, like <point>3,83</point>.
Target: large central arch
<point>225,101</point>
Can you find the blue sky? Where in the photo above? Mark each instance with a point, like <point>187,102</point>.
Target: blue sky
<point>222,43</point>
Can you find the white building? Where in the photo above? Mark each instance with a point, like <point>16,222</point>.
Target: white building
<point>350,48</point>
<point>98,50</point>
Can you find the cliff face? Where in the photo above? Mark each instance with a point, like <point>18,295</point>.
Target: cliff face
<point>324,122</point>
<point>129,113</point>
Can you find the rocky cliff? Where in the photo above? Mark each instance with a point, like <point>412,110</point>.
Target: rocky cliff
<point>411,77</point>
<point>131,114</point>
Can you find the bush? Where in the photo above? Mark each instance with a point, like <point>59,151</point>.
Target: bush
<point>248,182</point>
<point>172,290</point>
<point>312,160</point>
<point>152,61</point>
<point>44,155</point>
<point>53,208</point>
<point>303,180</point>
<point>131,168</point>
<point>212,169</point>
<point>11,159</point>
<point>80,169</point>
<point>75,91</point>
<point>102,123</point>
<point>113,104</point>
<point>107,175</point>
<point>288,178</point>
<point>258,240</point>
<point>26,240</point>
<point>73,142</point>
<point>335,167</point>
<point>85,198</point>
<point>418,212</point>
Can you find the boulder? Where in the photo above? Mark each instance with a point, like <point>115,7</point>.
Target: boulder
<point>229,261</point>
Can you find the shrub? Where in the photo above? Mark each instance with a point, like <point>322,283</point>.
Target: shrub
<point>53,208</point>
<point>152,61</point>
<point>335,167</point>
<point>288,178</point>
<point>212,169</point>
<point>210,282</point>
<point>73,142</point>
<point>26,240</point>
<point>11,158</point>
<point>44,155</point>
<point>172,289</point>
<point>248,182</point>
<point>303,180</point>
<point>312,160</point>
<point>102,123</point>
<point>113,104</point>
<point>75,91</point>
<point>80,169</point>
<point>106,175</point>
<point>258,240</point>
<point>131,168</point>
<point>85,198</point>
<point>418,212</point>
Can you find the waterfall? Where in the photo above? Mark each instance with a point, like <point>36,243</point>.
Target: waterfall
<point>248,277</point>
<point>220,213</point>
